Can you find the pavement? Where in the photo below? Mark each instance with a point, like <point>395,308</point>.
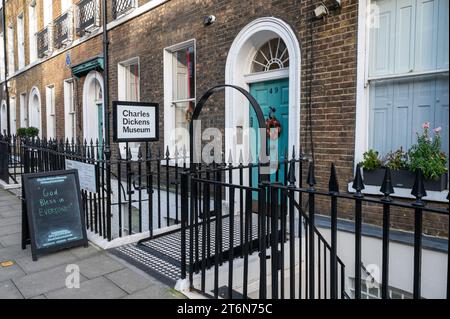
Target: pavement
<point>101,275</point>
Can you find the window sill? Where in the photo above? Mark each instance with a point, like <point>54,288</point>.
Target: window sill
<point>433,196</point>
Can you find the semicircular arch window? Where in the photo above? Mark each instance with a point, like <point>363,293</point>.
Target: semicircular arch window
<point>272,55</point>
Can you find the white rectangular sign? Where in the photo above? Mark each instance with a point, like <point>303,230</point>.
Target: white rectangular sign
<point>135,121</point>
<point>86,173</point>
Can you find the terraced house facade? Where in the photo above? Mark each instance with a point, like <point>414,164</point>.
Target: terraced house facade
<point>340,77</point>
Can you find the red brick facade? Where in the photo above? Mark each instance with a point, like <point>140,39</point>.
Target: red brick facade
<point>334,70</point>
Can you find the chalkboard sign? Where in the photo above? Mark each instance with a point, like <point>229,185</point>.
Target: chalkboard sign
<point>55,216</point>
<point>4,174</point>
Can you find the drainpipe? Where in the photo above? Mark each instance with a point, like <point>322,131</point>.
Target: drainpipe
<point>8,120</point>
<point>107,147</point>
<point>105,76</point>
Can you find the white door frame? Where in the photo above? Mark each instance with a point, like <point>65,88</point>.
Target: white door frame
<point>31,115</point>
<point>89,102</point>
<point>238,65</point>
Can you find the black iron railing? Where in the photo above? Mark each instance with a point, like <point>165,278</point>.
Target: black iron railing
<point>10,153</point>
<point>88,16</point>
<point>144,189</point>
<point>120,7</point>
<point>282,216</point>
<point>62,29</point>
<point>44,41</point>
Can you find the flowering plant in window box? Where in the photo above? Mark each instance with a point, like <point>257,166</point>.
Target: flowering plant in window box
<point>426,154</point>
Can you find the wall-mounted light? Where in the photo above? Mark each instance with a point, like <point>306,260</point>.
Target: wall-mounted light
<point>208,20</point>
<point>323,10</point>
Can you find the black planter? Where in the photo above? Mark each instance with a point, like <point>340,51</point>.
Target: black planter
<point>403,179</point>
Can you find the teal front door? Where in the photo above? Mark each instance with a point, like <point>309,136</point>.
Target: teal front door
<point>273,97</point>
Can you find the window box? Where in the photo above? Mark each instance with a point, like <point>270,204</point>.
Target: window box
<point>403,179</point>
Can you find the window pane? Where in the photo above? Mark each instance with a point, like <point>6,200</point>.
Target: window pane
<point>132,82</point>
<point>399,107</point>
<point>184,74</point>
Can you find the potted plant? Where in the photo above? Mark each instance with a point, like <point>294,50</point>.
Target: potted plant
<point>426,154</point>
<point>372,168</point>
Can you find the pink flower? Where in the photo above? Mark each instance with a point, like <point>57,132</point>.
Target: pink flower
<point>426,125</point>
<point>437,130</point>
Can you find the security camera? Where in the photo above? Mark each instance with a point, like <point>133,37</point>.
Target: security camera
<point>208,20</point>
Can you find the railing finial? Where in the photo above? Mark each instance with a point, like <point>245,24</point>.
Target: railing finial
<point>418,189</point>
<point>291,173</point>
<point>358,183</point>
<point>311,180</point>
<point>386,187</point>
<point>333,184</point>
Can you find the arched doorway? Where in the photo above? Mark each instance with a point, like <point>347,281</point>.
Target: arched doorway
<point>93,107</point>
<point>264,59</point>
<point>3,118</point>
<point>34,109</point>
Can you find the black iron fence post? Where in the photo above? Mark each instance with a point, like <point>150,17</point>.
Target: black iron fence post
<point>184,220</point>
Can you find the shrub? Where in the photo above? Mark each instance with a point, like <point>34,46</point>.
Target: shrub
<point>396,160</point>
<point>371,160</point>
<point>426,154</point>
<point>27,132</point>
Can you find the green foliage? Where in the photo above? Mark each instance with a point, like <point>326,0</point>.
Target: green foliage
<point>371,160</point>
<point>27,132</point>
<point>427,155</point>
<point>396,160</point>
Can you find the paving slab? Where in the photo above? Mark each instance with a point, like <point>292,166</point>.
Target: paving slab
<point>157,291</point>
<point>11,211</point>
<point>10,272</point>
<point>9,240</point>
<point>13,252</point>
<point>9,229</point>
<point>5,221</point>
<point>41,282</point>
<point>129,280</point>
<point>9,291</point>
<point>46,261</point>
<point>85,252</point>
<point>98,288</point>
<point>98,266</point>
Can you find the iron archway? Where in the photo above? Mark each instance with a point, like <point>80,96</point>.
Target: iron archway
<point>199,106</point>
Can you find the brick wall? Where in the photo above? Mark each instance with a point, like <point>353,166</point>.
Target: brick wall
<point>332,58</point>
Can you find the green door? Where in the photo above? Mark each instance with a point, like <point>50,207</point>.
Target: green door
<point>273,97</point>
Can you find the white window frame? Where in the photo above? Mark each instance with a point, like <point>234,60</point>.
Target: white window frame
<point>2,58</point>
<point>50,110</point>
<point>32,31</point>
<point>70,117</point>
<point>169,109</point>
<point>23,107</point>
<point>121,81</point>
<point>47,12</point>
<point>10,43</point>
<point>67,5</point>
<point>362,101</point>
<point>21,40</point>
<point>13,114</point>
<point>122,95</point>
